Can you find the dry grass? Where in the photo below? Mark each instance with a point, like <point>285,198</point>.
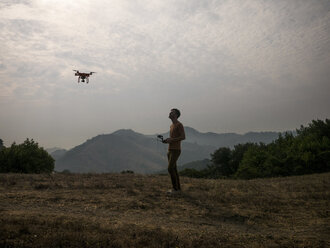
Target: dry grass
<point>123,210</point>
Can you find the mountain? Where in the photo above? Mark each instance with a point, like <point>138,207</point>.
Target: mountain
<point>53,149</point>
<point>226,139</point>
<point>121,150</point>
<point>56,152</point>
<point>128,150</point>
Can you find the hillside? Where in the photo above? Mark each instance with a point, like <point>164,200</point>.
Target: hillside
<point>128,150</point>
<point>114,210</point>
<point>121,150</point>
<point>227,139</point>
<point>57,154</point>
<point>54,149</point>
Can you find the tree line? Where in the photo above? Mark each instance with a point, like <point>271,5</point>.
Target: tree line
<point>27,157</point>
<point>304,153</point>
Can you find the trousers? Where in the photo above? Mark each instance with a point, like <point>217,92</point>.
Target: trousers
<point>172,156</point>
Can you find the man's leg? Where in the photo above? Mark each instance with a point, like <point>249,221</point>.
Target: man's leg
<point>177,178</point>
<point>173,156</point>
<point>171,168</point>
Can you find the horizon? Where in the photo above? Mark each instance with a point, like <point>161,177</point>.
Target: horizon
<point>146,134</point>
<point>123,129</point>
<point>229,66</point>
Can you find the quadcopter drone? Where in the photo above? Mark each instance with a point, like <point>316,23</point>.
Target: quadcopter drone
<point>83,76</point>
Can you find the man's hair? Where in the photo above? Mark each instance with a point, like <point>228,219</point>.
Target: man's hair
<point>177,112</point>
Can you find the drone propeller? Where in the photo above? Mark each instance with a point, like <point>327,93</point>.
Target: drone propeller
<point>76,70</point>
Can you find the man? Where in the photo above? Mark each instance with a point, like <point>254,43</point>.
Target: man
<point>174,148</point>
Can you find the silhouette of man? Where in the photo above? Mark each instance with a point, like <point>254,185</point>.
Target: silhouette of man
<point>177,134</point>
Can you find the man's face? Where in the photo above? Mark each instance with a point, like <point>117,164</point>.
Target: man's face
<point>172,115</point>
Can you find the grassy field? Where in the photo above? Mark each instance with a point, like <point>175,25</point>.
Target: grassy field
<point>123,210</point>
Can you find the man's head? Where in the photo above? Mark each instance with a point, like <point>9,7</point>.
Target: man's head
<point>174,114</point>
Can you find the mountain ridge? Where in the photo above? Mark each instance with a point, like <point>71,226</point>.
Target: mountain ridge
<point>126,149</point>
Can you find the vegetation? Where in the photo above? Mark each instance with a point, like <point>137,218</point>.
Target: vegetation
<point>197,164</point>
<point>224,163</point>
<point>130,210</point>
<point>27,157</point>
<point>307,152</point>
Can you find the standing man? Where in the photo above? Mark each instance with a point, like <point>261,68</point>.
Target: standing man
<point>174,148</point>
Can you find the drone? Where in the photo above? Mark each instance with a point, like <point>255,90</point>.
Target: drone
<point>83,76</point>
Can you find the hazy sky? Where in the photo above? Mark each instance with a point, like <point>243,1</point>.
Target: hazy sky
<point>229,66</point>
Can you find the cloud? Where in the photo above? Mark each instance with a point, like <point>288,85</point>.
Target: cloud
<point>240,60</point>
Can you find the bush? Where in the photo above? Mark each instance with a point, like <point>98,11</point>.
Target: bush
<point>191,173</point>
<point>307,152</point>
<point>27,157</point>
<point>127,172</point>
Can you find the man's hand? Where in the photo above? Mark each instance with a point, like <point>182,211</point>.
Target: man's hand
<point>171,140</point>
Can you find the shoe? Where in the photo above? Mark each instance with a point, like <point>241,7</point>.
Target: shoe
<point>173,192</point>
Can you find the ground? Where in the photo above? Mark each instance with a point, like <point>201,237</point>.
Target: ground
<point>129,210</point>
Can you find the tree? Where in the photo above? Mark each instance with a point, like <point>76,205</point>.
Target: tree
<point>252,164</point>
<point>27,157</point>
<point>221,158</point>
<point>304,153</point>
<point>308,152</point>
<point>238,153</point>
<point>226,161</point>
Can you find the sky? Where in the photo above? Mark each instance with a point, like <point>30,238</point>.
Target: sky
<point>228,65</point>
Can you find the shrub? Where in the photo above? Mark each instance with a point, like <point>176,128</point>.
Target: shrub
<point>27,157</point>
